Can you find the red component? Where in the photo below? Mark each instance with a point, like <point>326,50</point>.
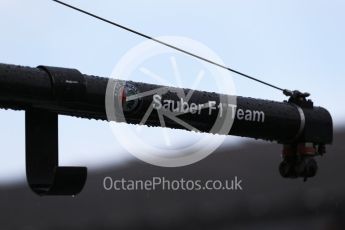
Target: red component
<point>300,149</point>
<point>122,95</point>
<point>306,149</point>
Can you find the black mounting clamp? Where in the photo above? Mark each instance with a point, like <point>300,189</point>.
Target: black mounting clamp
<point>298,98</point>
<point>298,156</point>
<point>44,175</point>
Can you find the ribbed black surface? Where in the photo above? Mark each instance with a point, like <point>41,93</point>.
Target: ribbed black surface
<point>25,87</point>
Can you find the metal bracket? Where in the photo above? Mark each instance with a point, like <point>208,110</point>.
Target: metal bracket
<point>44,175</point>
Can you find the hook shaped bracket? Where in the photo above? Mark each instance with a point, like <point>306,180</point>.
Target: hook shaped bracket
<point>44,175</point>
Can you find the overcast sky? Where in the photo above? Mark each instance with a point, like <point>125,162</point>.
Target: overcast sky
<point>292,43</point>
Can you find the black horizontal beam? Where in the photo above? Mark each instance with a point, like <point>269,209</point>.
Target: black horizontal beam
<point>68,92</point>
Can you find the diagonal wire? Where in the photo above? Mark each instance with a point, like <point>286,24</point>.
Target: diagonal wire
<point>169,45</point>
